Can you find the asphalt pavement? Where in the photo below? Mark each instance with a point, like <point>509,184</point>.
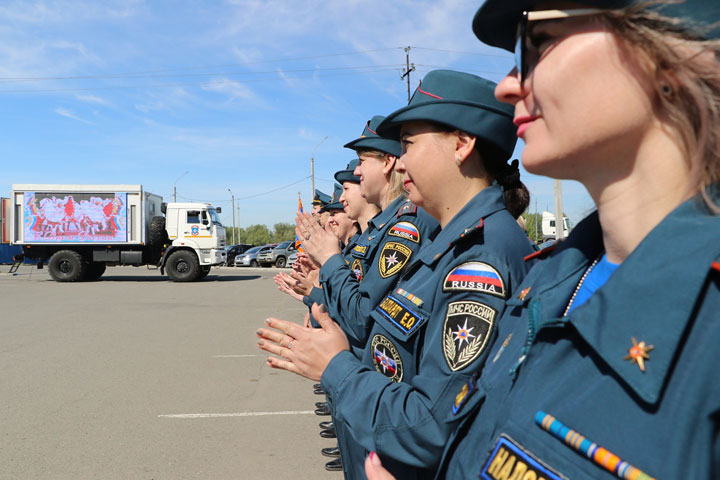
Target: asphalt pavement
<point>136,377</point>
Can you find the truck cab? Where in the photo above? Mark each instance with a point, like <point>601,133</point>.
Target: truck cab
<point>196,226</point>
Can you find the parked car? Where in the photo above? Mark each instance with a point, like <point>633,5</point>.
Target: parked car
<point>292,259</point>
<point>277,256</point>
<point>235,250</point>
<point>249,258</point>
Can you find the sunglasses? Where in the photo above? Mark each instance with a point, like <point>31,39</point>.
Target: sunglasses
<point>523,48</point>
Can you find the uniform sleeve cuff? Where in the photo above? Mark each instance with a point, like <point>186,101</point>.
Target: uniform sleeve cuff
<point>331,266</point>
<point>342,366</point>
<point>316,296</point>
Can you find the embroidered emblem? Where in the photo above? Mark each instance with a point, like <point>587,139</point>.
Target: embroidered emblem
<point>522,295</point>
<point>502,348</point>
<point>405,230</point>
<point>466,392</point>
<point>509,460</point>
<point>467,328</point>
<point>386,358</point>
<point>638,353</point>
<point>357,270</point>
<point>401,316</point>
<point>476,277</point>
<point>417,301</point>
<point>393,258</point>
<point>593,451</point>
<point>359,251</point>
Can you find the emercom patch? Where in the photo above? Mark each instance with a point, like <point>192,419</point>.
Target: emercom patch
<point>357,270</point>
<point>401,316</point>
<point>393,258</point>
<point>386,358</point>
<point>475,277</point>
<point>509,460</point>
<point>405,230</point>
<point>467,328</point>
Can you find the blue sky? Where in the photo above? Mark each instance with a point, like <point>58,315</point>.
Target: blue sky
<point>237,92</point>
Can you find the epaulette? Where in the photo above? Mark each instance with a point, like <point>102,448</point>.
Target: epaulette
<point>542,254</point>
<point>407,208</point>
<point>715,266</point>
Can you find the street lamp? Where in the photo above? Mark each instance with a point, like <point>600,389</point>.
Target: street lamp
<point>174,186</point>
<point>312,167</point>
<point>233,210</point>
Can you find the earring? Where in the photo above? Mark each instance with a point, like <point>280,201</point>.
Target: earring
<point>458,160</point>
<point>666,89</point>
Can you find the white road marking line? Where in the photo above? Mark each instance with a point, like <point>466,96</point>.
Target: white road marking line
<point>237,356</point>
<point>241,414</point>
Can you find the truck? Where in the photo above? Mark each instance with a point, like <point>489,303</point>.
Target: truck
<point>548,226</point>
<point>79,230</point>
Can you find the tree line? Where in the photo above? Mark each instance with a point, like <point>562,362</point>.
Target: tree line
<point>260,234</point>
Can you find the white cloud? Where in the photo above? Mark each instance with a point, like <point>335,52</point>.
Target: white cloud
<point>64,112</point>
<point>94,99</point>
<point>230,88</point>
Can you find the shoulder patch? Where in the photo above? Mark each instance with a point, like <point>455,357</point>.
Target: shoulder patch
<point>359,251</point>
<point>399,315</point>
<point>507,456</point>
<point>357,270</point>
<point>407,208</point>
<point>393,258</point>
<point>475,277</point>
<point>405,230</point>
<point>542,254</point>
<point>467,329</point>
<point>386,358</point>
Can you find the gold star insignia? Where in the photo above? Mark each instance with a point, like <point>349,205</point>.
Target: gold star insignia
<point>638,353</point>
<point>524,293</point>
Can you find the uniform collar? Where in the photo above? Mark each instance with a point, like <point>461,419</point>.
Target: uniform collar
<point>466,224</point>
<point>650,297</point>
<point>383,217</point>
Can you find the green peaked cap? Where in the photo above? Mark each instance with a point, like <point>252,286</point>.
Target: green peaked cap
<point>370,139</point>
<point>496,21</point>
<point>462,101</point>
<point>347,175</point>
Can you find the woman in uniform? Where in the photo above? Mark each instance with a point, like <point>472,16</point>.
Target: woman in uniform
<point>605,365</point>
<point>430,334</point>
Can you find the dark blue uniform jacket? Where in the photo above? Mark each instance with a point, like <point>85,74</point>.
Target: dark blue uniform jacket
<point>546,369</point>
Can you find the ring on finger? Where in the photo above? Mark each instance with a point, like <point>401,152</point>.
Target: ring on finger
<point>290,345</point>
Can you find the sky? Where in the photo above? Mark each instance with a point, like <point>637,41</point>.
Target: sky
<point>222,98</point>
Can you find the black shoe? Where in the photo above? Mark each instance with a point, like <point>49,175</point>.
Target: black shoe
<point>331,452</point>
<point>319,391</point>
<point>321,404</point>
<point>323,411</point>
<point>326,425</point>
<point>317,385</point>
<point>334,466</point>
<point>329,433</point>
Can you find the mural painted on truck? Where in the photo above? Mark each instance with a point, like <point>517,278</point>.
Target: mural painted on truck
<point>75,217</point>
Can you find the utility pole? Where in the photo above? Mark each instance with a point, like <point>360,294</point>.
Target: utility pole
<point>408,68</point>
<point>233,210</point>
<point>175,186</point>
<point>238,223</point>
<point>559,219</point>
<point>312,166</point>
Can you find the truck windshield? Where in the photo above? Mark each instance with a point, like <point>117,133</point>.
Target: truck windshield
<point>214,216</point>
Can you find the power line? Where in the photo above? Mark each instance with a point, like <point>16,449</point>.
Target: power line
<point>151,72</point>
<point>183,84</point>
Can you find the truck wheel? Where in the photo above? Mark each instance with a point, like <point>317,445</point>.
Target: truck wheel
<point>66,266</point>
<point>94,270</point>
<point>157,232</point>
<point>280,262</point>
<point>203,272</point>
<point>183,266</point>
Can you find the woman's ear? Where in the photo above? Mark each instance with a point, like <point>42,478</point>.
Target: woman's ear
<point>389,166</point>
<point>464,145</point>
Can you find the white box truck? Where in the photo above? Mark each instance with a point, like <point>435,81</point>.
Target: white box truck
<point>79,230</point>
